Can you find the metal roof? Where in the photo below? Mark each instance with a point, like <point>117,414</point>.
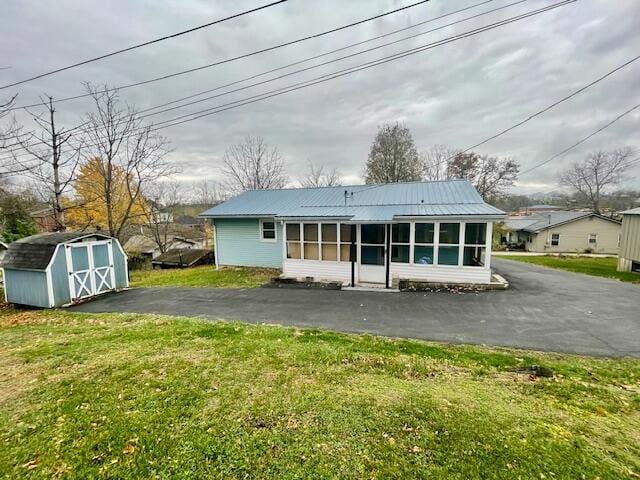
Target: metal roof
<point>35,252</point>
<point>361,202</point>
<point>543,221</point>
<point>633,211</point>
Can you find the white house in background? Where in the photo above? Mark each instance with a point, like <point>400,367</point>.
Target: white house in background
<point>362,234</point>
<point>564,232</point>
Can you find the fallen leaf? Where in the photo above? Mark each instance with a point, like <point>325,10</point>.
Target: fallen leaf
<point>31,465</point>
<point>129,449</point>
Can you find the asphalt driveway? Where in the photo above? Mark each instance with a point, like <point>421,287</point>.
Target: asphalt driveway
<point>544,309</point>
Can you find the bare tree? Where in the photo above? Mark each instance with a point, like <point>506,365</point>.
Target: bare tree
<point>208,193</point>
<point>51,161</point>
<point>490,175</point>
<point>117,136</point>
<point>11,136</point>
<point>435,162</point>
<point>161,198</point>
<point>597,173</point>
<point>253,165</point>
<point>393,156</point>
<point>317,177</point>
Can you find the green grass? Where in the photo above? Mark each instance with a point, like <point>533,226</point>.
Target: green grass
<point>142,396</point>
<point>600,267</point>
<point>205,276</point>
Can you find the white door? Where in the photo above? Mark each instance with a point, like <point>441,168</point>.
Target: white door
<point>373,237</point>
<point>90,267</point>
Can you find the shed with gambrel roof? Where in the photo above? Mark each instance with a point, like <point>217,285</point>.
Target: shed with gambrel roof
<point>55,269</point>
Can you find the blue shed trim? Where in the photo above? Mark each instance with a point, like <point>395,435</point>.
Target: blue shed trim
<point>238,243</point>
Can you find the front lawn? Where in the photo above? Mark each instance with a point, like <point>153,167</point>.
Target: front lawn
<point>600,267</point>
<point>204,276</point>
<point>142,396</point>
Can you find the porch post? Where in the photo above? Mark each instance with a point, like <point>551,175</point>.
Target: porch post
<point>352,252</point>
<point>387,255</point>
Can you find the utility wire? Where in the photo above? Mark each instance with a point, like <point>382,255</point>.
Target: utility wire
<point>582,140</point>
<point>232,59</point>
<point>366,65</point>
<point>144,44</point>
<point>78,127</point>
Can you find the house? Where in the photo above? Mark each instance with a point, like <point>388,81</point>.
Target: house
<point>535,209</point>
<point>45,219</point>
<point>141,240</point>
<point>629,255</point>
<point>55,269</point>
<point>362,234</point>
<point>564,232</point>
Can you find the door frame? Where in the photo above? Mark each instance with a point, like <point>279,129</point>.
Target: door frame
<point>384,268</point>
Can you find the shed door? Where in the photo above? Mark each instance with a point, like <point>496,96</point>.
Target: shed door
<point>90,266</point>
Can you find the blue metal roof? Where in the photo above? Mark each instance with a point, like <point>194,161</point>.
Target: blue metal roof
<point>361,202</point>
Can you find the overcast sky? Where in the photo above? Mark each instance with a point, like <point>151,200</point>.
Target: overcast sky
<point>455,95</point>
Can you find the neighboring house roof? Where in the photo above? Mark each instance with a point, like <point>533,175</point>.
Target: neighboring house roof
<point>633,211</point>
<point>361,202</point>
<point>189,220</point>
<point>543,207</point>
<point>140,244</point>
<point>35,252</point>
<point>543,221</point>
<point>183,257</point>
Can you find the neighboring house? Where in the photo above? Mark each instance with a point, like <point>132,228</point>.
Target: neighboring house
<point>45,219</point>
<point>183,257</point>
<point>55,269</point>
<point>197,223</point>
<point>534,209</point>
<point>363,234</point>
<point>145,245</point>
<point>564,232</point>
<point>629,255</point>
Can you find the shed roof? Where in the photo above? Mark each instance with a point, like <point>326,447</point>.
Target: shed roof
<point>361,202</point>
<point>542,221</point>
<point>35,252</point>
<point>633,211</point>
<point>181,257</point>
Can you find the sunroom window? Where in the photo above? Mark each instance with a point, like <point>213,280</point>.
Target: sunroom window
<point>449,248</point>
<point>329,233</point>
<point>423,243</point>
<point>475,237</point>
<point>400,237</point>
<point>294,249</point>
<point>346,237</point>
<point>310,239</point>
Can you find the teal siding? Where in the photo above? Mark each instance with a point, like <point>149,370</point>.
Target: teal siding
<point>238,243</point>
<point>26,287</point>
<point>60,278</point>
<point>120,267</point>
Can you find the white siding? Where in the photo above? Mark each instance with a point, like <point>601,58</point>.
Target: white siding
<point>440,274</point>
<point>319,270</point>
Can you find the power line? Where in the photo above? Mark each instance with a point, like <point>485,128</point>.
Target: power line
<point>313,58</point>
<point>144,44</point>
<point>582,140</point>
<point>363,66</point>
<point>232,59</point>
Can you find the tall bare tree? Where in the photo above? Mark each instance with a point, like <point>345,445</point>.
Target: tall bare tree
<point>597,173</point>
<point>318,177</point>
<point>490,175</point>
<point>393,156</point>
<point>130,152</point>
<point>161,198</point>
<point>208,193</point>
<point>11,136</point>
<point>253,165</point>
<point>435,162</point>
<point>51,160</point>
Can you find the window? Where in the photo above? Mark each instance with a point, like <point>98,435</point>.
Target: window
<point>475,237</point>
<point>555,239</point>
<point>329,242</point>
<point>400,237</point>
<point>310,239</point>
<point>372,238</point>
<point>593,238</point>
<point>267,230</point>
<point>294,249</point>
<point>347,235</point>
<point>449,248</point>
<point>423,239</point>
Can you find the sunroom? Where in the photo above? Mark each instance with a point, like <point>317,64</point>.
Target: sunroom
<point>445,250</point>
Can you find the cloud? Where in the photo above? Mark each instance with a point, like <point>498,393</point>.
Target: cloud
<point>457,94</point>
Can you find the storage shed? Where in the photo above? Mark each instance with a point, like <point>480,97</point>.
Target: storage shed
<point>55,269</point>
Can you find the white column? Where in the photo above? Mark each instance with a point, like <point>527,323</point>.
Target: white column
<point>436,242</point>
<point>463,227</point>
<point>487,262</point>
<point>412,235</point>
